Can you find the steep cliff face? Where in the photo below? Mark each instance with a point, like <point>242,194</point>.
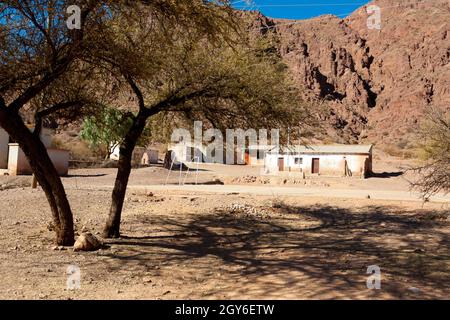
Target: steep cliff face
<point>375,83</point>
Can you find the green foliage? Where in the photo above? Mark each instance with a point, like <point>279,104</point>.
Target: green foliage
<point>107,129</point>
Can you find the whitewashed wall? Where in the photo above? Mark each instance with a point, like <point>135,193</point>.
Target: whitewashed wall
<point>333,165</point>
<point>18,163</point>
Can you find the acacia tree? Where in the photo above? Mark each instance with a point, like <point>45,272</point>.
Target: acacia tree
<point>434,146</point>
<point>38,52</point>
<point>41,59</point>
<point>214,74</point>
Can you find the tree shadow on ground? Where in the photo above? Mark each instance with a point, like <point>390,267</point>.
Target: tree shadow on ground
<point>86,175</point>
<point>320,251</point>
<point>386,175</point>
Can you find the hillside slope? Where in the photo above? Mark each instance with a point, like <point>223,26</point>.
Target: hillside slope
<point>375,83</point>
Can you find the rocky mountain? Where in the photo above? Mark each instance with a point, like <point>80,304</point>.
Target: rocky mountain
<point>374,83</point>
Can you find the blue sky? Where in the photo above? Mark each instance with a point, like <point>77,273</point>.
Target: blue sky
<point>301,9</point>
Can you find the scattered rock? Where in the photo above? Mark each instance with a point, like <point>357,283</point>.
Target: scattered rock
<point>414,290</point>
<point>277,204</point>
<point>87,242</point>
<point>156,199</point>
<point>245,209</point>
<point>147,280</point>
<point>50,226</point>
<point>58,248</point>
<point>368,196</point>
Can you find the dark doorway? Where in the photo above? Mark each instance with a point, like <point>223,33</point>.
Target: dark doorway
<point>280,164</point>
<point>315,165</point>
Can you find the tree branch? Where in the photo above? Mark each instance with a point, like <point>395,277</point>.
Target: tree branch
<point>34,90</point>
<point>57,67</point>
<point>46,112</point>
<point>136,91</point>
<point>30,15</point>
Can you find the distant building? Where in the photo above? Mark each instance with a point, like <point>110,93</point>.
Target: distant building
<point>326,160</point>
<point>141,156</point>
<point>115,151</point>
<point>150,157</point>
<point>14,162</point>
<point>187,152</point>
<point>255,155</point>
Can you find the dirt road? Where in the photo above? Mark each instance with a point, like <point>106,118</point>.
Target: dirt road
<point>276,191</point>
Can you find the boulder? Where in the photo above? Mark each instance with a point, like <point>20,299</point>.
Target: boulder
<point>87,242</point>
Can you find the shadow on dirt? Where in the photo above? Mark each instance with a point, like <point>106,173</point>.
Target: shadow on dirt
<point>386,175</point>
<point>328,246</point>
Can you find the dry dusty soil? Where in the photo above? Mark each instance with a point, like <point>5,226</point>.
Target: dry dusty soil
<point>179,244</point>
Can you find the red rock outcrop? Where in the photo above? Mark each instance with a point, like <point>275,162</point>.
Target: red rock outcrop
<point>376,84</point>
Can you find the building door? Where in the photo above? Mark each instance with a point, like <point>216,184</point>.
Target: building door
<point>280,164</point>
<point>315,165</point>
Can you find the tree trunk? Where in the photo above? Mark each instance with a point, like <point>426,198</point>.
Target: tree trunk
<point>45,172</point>
<point>112,228</point>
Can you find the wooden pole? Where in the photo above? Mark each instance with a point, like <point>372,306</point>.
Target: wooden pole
<point>33,182</point>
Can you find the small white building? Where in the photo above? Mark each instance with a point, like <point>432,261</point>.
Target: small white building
<point>14,162</point>
<point>326,160</point>
<point>150,157</point>
<point>187,152</point>
<point>115,151</point>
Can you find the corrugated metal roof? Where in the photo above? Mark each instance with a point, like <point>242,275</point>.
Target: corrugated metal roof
<point>332,149</point>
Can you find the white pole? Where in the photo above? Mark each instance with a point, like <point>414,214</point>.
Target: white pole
<point>196,174</point>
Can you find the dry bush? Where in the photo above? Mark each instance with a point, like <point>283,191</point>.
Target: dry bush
<point>434,144</point>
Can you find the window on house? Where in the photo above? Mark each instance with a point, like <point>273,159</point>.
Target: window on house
<point>298,161</point>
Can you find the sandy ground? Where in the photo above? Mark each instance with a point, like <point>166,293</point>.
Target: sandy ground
<point>206,244</point>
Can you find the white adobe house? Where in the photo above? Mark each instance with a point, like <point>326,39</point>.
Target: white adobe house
<point>14,162</point>
<point>186,152</point>
<point>141,156</point>
<point>326,160</point>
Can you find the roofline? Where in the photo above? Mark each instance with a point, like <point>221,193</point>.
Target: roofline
<point>312,151</point>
